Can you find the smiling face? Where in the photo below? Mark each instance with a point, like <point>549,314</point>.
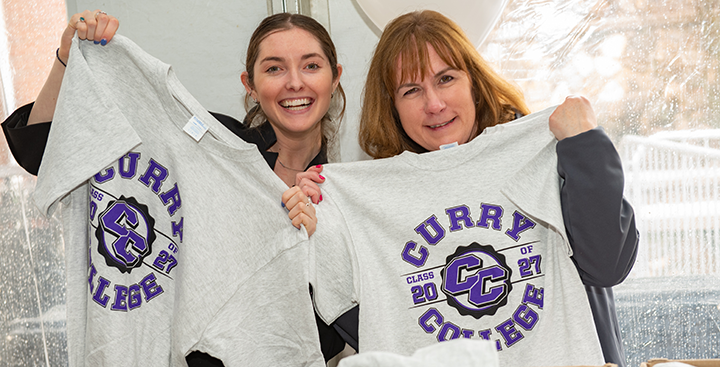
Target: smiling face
<point>437,108</point>
<point>293,81</point>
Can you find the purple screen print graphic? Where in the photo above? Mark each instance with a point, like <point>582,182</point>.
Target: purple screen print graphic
<point>476,280</point>
<point>125,234</point>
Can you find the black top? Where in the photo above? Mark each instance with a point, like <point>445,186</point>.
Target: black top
<point>27,143</point>
<point>264,137</point>
<point>599,222</point>
<point>600,225</point>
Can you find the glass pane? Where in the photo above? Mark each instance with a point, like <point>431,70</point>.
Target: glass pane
<point>32,285</point>
<point>650,68</point>
<point>32,261</point>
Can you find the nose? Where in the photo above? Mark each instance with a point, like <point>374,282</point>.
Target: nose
<point>294,81</point>
<point>434,103</point>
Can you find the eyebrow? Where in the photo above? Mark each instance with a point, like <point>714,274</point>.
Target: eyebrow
<point>281,59</point>
<point>272,58</point>
<point>443,71</point>
<point>311,55</point>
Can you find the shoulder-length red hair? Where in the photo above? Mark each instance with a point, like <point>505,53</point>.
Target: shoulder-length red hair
<point>405,42</point>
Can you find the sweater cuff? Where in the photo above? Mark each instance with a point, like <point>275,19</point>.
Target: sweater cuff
<point>26,143</point>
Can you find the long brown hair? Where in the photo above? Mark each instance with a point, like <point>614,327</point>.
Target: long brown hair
<point>405,40</point>
<point>282,22</point>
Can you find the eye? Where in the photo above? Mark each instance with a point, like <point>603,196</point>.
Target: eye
<point>446,79</point>
<point>410,91</point>
<point>313,66</point>
<point>272,69</point>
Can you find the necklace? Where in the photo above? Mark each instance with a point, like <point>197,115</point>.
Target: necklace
<point>286,167</point>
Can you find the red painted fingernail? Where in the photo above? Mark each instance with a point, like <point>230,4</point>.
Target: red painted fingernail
<point>320,198</point>
<point>319,166</point>
<point>321,177</point>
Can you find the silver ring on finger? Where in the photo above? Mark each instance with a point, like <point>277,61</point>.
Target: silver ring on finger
<point>100,12</point>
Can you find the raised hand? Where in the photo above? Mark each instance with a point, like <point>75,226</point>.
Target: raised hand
<point>572,117</point>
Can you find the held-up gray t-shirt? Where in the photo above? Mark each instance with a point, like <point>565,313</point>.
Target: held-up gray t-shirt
<point>467,242</point>
<point>173,244</point>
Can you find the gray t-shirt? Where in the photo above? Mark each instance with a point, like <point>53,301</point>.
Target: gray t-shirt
<point>464,242</point>
<point>172,244</point>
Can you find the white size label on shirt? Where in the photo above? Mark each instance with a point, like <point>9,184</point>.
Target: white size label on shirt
<point>195,128</point>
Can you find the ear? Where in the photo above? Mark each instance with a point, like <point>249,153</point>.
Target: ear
<point>246,82</point>
<point>337,80</point>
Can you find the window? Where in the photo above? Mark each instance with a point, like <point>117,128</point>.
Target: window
<point>32,262</point>
<point>650,68</point>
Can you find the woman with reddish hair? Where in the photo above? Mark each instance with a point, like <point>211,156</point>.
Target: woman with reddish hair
<point>427,89</point>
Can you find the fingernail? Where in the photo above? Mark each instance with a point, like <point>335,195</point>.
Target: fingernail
<point>319,166</point>
<point>283,204</point>
<point>96,42</point>
<point>321,177</point>
<point>103,42</point>
<point>320,198</point>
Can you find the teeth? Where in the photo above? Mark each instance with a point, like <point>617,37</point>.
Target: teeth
<point>296,104</point>
<point>441,125</point>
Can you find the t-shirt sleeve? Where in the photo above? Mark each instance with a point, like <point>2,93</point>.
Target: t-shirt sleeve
<point>89,132</point>
<point>26,143</point>
<point>599,222</point>
<point>538,174</point>
<point>332,263</point>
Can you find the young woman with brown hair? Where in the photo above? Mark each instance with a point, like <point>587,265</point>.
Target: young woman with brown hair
<point>294,97</point>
